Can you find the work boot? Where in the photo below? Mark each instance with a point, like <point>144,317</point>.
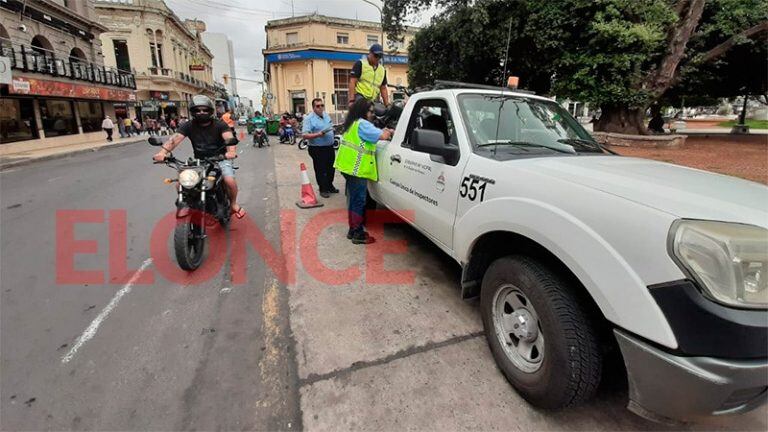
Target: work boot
<point>362,237</point>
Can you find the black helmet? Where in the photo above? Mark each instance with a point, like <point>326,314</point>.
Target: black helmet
<point>202,109</point>
<point>379,109</point>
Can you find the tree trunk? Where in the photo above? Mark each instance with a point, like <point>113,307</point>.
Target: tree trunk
<point>621,119</point>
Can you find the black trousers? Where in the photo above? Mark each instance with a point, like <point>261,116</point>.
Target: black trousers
<point>322,160</point>
<point>109,133</point>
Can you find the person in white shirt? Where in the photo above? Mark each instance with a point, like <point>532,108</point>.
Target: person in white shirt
<point>108,126</point>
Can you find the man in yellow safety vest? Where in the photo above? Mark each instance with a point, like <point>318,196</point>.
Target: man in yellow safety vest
<point>368,79</point>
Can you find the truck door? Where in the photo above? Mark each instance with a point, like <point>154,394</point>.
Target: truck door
<point>424,183</point>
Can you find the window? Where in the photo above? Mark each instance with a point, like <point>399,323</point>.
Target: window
<point>431,114</point>
<point>157,55</point>
<point>395,45</point>
<point>17,120</point>
<point>342,38</point>
<point>91,116</point>
<point>341,88</point>
<point>292,38</point>
<point>58,117</point>
<point>122,60</point>
<point>518,119</point>
<point>372,39</point>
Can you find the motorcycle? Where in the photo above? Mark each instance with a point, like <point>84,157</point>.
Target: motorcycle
<point>202,201</point>
<point>304,143</point>
<point>289,136</point>
<point>260,137</point>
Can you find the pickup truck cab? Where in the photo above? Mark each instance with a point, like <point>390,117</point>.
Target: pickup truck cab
<point>578,254</point>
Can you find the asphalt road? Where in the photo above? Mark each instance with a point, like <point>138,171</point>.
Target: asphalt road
<point>124,354</point>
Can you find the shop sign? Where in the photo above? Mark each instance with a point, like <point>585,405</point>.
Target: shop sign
<point>159,95</point>
<point>20,86</point>
<point>32,86</point>
<point>150,104</point>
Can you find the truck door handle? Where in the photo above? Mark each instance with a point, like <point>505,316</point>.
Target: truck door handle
<point>395,158</point>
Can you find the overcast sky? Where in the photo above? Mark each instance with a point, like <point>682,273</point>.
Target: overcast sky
<point>243,22</point>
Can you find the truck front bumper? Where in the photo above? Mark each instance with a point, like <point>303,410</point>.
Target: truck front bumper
<point>667,388</point>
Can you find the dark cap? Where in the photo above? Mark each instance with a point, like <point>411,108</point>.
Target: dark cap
<point>376,49</point>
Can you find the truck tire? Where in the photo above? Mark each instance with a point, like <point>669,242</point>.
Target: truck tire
<point>539,333</point>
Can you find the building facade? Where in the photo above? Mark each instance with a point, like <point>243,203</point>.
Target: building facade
<point>223,59</point>
<point>60,89</point>
<point>170,62</point>
<point>311,57</point>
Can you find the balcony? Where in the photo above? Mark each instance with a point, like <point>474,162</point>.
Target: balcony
<point>29,59</point>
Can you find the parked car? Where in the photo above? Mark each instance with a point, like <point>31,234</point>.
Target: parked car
<point>242,120</point>
<point>577,254</point>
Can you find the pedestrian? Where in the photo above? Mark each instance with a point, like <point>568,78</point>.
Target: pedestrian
<point>368,78</point>
<point>318,131</point>
<point>108,126</point>
<point>356,160</point>
<point>137,126</point>
<point>128,123</point>
<point>227,118</point>
<point>163,126</point>
<point>121,127</point>
<point>172,125</point>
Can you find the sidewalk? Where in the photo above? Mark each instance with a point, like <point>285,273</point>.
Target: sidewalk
<point>13,159</point>
<point>394,356</point>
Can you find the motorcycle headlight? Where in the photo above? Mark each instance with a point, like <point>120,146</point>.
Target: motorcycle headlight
<point>728,260</point>
<point>189,178</point>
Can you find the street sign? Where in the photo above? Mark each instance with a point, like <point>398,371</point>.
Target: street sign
<point>5,70</point>
<point>269,96</point>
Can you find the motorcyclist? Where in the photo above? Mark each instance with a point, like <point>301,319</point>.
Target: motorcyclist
<point>208,136</point>
<point>259,123</point>
<point>285,120</point>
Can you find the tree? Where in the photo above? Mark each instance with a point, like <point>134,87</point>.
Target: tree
<point>622,55</point>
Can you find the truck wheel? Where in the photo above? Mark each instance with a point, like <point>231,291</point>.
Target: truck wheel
<point>540,335</point>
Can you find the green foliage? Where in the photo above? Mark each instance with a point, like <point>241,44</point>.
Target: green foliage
<point>597,51</point>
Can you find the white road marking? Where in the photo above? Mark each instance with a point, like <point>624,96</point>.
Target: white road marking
<point>94,326</point>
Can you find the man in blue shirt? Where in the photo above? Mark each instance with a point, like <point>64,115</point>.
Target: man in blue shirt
<point>317,129</point>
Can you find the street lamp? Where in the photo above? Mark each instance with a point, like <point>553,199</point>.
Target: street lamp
<point>381,18</point>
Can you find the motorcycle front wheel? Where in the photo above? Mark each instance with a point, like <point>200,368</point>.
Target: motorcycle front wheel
<point>189,243</point>
<point>303,144</point>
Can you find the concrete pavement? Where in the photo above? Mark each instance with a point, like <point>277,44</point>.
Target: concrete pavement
<point>412,355</point>
<point>11,157</point>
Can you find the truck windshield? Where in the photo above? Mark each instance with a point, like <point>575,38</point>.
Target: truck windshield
<point>511,120</point>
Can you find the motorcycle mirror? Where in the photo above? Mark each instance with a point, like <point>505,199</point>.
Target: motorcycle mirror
<point>153,141</point>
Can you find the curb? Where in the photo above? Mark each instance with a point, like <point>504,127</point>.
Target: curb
<point>16,163</point>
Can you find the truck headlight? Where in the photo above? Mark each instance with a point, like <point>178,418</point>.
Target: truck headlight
<point>189,178</point>
<point>728,260</point>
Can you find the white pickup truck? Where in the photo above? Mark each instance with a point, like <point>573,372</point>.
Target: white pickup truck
<point>577,253</point>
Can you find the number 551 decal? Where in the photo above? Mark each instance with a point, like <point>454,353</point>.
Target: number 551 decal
<point>473,187</point>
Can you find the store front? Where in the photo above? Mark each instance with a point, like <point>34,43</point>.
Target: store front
<point>38,112</point>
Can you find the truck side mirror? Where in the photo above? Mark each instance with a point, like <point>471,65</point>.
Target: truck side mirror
<point>433,142</point>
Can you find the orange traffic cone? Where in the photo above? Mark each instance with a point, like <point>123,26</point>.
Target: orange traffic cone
<point>308,198</point>
<point>242,135</point>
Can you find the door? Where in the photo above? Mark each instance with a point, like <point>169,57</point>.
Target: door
<point>422,183</point>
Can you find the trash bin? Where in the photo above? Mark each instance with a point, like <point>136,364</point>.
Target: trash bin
<point>273,126</point>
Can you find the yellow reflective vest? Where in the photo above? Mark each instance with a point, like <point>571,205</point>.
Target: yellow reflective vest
<point>355,156</point>
<point>369,83</point>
